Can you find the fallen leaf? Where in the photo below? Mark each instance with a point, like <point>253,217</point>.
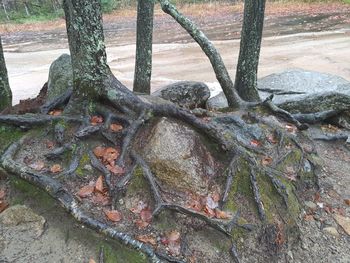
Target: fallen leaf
<point>3,205</point>
<point>222,214</point>
<point>255,143</point>
<point>101,199</point>
<point>55,112</point>
<point>56,168</point>
<point>147,239</point>
<point>86,191</point>
<point>308,218</point>
<point>110,155</point>
<point>99,151</point>
<point>115,127</point>
<point>208,211</point>
<point>266,160</point>
<point>95,120</point>
<point>99,186</point>
<point>347,201</point>
<point>317,197</point>
<point>50,144</point>
<point>117,170</point>
<point>141,224</point>
<point>2,194</point>
<point>38,165</point>
<point>291,128</point>
<point>271,139</point>
<point>146,215</point>
<point>139,207</point>
<point>91,260</point>
<point>113,215</point>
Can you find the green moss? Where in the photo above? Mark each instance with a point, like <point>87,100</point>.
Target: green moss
<point>119,253</point>
<point>138,182</point>
<point>85,159</point>
<point>8,135</point>
<point>30,192</point>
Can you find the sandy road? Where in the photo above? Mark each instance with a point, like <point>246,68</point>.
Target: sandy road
<point>324,52</point>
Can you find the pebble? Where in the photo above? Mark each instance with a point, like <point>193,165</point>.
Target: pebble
<point>310,205</point>
<point>332,231</point>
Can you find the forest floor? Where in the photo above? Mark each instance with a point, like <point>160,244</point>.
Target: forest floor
<point>313,37</point>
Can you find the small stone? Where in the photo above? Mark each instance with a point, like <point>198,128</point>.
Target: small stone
<point>290,255</point>
<point>332,231</point>
<point>88,168</point>
<point>344,222</point>
<point>310,205</point>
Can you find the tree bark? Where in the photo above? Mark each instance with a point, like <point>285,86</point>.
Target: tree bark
<point>5,91</point>
<point>247,67</point>
<point>87,47</point>
<point>222,75</point>
<point>143,64</point>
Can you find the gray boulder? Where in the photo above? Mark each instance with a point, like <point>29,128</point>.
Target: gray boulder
<point>299,90</point>
<point>178,157</point>
<point>60,76</point>
<point>186,94</point>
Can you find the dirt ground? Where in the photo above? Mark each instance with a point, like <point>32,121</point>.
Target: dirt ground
<point>309,37</point>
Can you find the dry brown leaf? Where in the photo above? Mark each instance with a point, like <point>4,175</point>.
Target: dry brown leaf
<point>141,224</point>
<point>308,218</point>
<point>271,139</point>
<point>99,186</point>
<point>110,155</point>
<point>222,214</point>
<point>49,144</point>
<point>347,201</point>
<point>117,170</point>
<point>38,165</point>
<point>2,194</point>
<point>55,112</point>
<point>255,143</point>
<point>56,168</point>
<point>208,211</point>
<point>101,199</point>
<point>95,120</point>
<point>99,151</point>
<point>115,127</point>
<point>86,191</point>
<point>147,239</point>
<point>113,215</point>
<point>146,215</point>
<point>267,160</point>
<point>91,260</point>
<point>3,205</point>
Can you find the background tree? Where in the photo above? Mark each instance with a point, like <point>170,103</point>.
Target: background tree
<point>143,63</point>
<point>5,91</point>
<point>249,52</point>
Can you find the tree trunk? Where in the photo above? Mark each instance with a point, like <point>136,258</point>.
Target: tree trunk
<point>143,64</point>
<point>247,67</point>
<point>5,91</point>
<point>87,48</point>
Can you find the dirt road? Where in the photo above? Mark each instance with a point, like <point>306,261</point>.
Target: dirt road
<point>292,40</point>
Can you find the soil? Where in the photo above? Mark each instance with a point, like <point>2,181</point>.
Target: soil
<point>66,241</point>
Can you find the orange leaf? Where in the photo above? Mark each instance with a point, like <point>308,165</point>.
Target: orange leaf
<point>195,205</point>
<point>55,112</point>
<point>56,168</point>
<point>113,215</point>
<point>147,239</point>
<point>115,127</point>
<point>99,186</point>
<point>3,206</point>
<point>222,214</point>
<point>37,166</point>
<point>117,170</point>
<point>146,215</point>
<point>100,199</point>
<point>208,211</point>
<point>99,151</point>
<point>255,143</point>
<point>85,191</point>
<point>95,120</point>
<point>267,160</point>
<point>141,224</point>
<point>110,155</point>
